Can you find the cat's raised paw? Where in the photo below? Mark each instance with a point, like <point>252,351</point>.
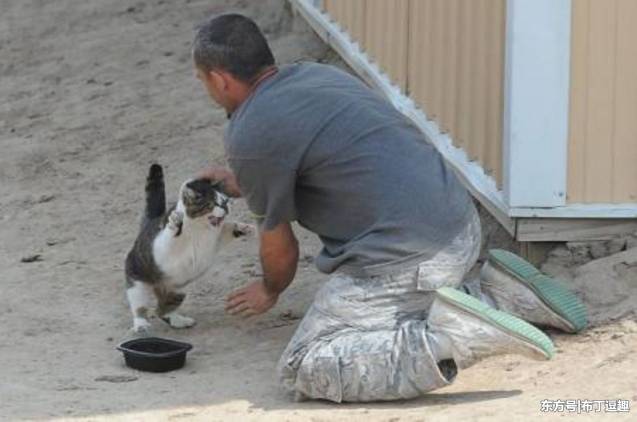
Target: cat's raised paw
<point>175,222</point>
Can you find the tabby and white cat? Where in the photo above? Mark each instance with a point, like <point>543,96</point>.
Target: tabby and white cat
<point>175,247</point>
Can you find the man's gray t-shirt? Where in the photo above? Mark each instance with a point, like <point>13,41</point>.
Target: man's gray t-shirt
<point>313,144</point>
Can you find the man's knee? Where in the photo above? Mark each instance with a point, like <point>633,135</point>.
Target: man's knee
<point>320,378</point>
<point>368,366</point>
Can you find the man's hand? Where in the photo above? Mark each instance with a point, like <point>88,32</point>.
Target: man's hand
<point>279,252</point>
<point>253,299</point>
<point>223,175</point>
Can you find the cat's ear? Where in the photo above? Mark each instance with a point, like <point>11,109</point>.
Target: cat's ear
<point>214,183</point>
<point>189,193</point>
<point>219,186</point>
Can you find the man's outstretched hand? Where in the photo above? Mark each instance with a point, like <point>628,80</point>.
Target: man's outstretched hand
<point>224,176</point>
<point>254,299</point>
<point>279,253</point>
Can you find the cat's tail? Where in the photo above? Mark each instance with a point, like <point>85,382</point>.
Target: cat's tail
<point>155,192</point>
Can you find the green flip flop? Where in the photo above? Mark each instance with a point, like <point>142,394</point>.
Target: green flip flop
<point>507,322</point>
<point>552,292</point>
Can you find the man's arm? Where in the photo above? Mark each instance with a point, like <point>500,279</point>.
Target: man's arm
<point>279,252</point>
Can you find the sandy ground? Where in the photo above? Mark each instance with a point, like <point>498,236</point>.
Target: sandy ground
<point>94,91</point>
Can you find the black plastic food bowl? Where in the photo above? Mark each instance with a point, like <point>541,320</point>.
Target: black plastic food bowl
<point>154,354</point>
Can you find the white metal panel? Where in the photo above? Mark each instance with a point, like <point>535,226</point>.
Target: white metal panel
<point>536,102</point>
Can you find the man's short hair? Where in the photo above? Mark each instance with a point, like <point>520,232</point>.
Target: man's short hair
<point>233,43</point>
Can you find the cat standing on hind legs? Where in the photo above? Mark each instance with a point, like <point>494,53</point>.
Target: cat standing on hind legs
<point>174,247</point>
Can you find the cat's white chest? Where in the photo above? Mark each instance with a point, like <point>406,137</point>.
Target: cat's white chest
<point>188,256</point>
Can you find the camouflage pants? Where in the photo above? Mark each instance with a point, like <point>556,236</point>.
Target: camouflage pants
<point>364,339</point>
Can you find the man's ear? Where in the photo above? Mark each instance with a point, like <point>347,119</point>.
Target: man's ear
<point>219,78</point>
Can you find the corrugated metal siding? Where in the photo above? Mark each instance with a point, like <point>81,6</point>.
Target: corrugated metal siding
<point>603,114</point>
<point>386,29</point>
<point>456,63</point>
<point>381,28</point>
<point>448,55</point>
<point>350,15</point>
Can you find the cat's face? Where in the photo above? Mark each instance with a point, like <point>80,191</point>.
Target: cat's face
<point>202,199</point>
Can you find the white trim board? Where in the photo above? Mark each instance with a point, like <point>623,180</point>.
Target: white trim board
<point>536,102</point>
<point>572,229</point>
<point>481,186</point>
<point>578,211</point>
